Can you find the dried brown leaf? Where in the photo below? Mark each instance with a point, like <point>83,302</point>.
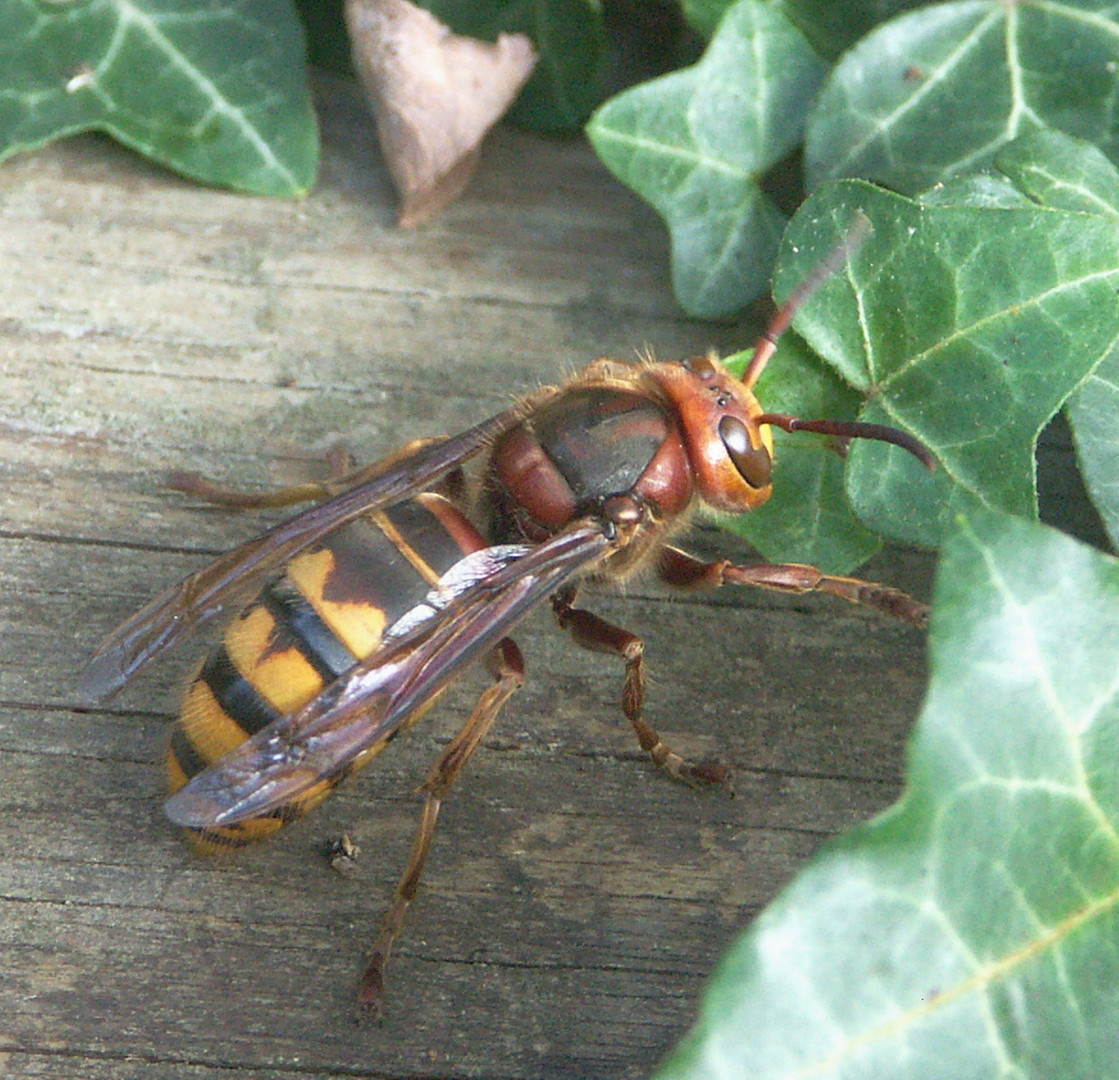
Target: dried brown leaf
<point>435,95</point>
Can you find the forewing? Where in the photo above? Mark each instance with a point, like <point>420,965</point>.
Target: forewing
<point>176,613</point>
<point>379,693</point>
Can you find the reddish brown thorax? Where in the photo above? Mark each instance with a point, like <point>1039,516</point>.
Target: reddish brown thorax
<point>665,434</point>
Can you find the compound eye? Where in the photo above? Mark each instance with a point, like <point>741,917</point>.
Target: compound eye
<point>752,462</point>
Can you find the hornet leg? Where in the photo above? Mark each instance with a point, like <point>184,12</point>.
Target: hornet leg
<point>592,632</point>
<point>507,666</point>
<point>683,570</point>
<point>343,475</point>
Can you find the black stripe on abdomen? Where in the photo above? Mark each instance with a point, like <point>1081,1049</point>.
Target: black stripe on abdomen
<point>238,698</point>
<point>305,630</point>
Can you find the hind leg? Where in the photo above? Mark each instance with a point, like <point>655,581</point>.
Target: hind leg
<point>507,666</point>
<point>343,475</point>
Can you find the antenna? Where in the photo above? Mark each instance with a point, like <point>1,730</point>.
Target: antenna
<point>767,346</point>
<point>860,229</point>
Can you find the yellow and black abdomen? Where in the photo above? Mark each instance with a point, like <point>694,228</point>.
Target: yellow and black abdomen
<point>330,609</point>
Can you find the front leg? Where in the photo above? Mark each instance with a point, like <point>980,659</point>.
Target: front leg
<point>685,571</point>
<point>591,632</point>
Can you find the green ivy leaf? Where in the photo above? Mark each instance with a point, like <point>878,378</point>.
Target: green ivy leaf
<point>217,92</point>
<point>1093,414</point>
<point>833,27</point>
<point>1067,174</point>
<point>570,38</point>
<point>970,930</point>
<point>939,91</point>
<point>1061,172</point>
<point>967,326</point>
<point>696,142</point>
<point>704,15</point>
<point>829,26</point>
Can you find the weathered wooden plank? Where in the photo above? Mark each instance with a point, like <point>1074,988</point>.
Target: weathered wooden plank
<point>575,899</point>
<point>566,876</point>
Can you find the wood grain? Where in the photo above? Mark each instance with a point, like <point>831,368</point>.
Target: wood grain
<point>575,900</point>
